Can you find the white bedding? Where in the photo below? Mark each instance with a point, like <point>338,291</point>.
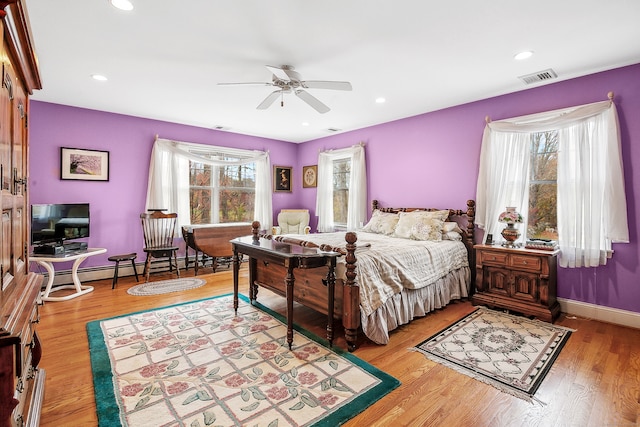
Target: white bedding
<point>400,279</point>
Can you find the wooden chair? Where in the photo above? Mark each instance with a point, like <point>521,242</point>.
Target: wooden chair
<point>159,230</point>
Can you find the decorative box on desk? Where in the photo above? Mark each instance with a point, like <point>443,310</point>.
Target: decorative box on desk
<point>522,280</point>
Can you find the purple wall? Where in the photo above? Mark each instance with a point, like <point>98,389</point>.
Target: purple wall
<point>116,205</point>
<point>434,158</point>
<point>430,159</point>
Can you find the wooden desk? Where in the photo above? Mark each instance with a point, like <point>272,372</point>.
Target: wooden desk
<point>290,256</point>
<point>212,240</point>
<point>47,262</point>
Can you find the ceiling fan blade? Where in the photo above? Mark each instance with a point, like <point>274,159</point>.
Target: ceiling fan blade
<point>246,84</point>
<point>279,73</point>
<point>319,84</point>
<point>312,101</point>
<point>269,100</point>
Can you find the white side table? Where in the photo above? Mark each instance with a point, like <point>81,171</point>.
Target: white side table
<point>47,262</point>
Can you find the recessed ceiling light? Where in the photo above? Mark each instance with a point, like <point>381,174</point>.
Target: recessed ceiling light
<point>380,100</point>
<point>122,4</point>
<point>305,123</point>
<point>99,77</point>
<point>523,55</point>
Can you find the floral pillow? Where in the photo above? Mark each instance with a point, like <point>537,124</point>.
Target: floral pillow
<point>451,231</point>
<point>421,225</point>
<point>381,223</point>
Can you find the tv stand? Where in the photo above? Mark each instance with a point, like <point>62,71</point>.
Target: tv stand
<point>48,261</point>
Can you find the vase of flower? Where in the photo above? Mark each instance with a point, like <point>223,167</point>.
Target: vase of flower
<point>510,233</point>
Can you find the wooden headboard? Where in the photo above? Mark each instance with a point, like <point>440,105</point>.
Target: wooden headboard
<point>464,217</point>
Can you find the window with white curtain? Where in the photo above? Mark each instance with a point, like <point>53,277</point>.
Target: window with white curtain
<point>341,201</point>
<point>591,203</point>
<point>209,184</point>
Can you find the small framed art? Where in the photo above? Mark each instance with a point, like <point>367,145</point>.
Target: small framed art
<point>282,178</point>
<point>85,165</point>
<point>309,176</point>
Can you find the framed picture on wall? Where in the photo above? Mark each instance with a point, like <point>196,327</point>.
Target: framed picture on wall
<point>282,178</point>
<point>309,176</point>
<point>85,165</point>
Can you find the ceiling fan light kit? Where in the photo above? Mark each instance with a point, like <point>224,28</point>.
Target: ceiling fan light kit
<point>287,80</point>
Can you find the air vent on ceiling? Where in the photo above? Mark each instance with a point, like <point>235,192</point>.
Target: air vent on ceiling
<point>218,127</point>
<point>333,130</point>
<point>540,76</point>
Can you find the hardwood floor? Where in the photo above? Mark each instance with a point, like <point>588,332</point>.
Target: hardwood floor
<point>594,382</point>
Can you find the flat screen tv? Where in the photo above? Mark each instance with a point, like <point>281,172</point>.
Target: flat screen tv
<point>55,223</point>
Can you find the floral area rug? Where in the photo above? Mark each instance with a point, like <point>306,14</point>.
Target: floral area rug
<point>165,286</point>
<point>512,353</point>
<point>199,364</point>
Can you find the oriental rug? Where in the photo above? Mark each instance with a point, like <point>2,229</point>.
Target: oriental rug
<point>511,353</point>
<point>165,286</point>
<point>199,364</point>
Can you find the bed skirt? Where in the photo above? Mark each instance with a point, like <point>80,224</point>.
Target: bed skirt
<point>401,308</point>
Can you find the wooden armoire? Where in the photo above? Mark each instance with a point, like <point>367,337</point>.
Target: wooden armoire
<point>21,381</point>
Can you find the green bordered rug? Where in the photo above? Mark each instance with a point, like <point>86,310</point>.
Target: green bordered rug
<point>512,353</point>
<point>198,364</point>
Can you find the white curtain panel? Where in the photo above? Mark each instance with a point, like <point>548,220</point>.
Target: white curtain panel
<point>357,209</point>
<point>592,208</point>
<point>168,186</point>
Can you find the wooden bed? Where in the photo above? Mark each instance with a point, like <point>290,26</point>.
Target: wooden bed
<point>310,284</point>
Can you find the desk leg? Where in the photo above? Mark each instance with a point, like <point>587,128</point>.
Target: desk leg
<point>236,272</point>
<point>289,281</point>
<point>331,290</point>
<point>79,288</point>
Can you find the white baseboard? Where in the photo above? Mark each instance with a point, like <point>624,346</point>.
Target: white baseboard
<point>599,312</point>
<point>63,277</point>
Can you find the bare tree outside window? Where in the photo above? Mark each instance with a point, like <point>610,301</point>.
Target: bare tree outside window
<point>221,194</point>
<point>543,187</point>
<point>341,177</point>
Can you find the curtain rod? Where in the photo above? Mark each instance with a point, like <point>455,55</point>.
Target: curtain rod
<point>361,143</point>
<point>610,95</point>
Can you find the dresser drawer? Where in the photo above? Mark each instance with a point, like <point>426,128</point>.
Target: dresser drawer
<point>493,258</point>
<point>525,262</point>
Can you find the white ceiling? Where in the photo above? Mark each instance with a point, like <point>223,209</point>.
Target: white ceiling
<point>165,58</point>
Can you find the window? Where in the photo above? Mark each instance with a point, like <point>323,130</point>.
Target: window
<point>543,186</point>
<point>341,177</point>
<point>517,169</point>
<point>341,199</point>
<point>219,194</point>
<point>210,184</point>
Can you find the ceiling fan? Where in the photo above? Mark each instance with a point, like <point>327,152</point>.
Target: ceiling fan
<point>286,80</point>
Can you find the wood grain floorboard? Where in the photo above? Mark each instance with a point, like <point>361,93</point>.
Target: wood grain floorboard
<point>594,382</point>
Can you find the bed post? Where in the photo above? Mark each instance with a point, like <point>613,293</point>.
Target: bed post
<point>471,232</point>
<point>351,292</point>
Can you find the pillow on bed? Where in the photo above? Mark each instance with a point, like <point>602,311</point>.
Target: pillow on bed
<point>421,225</point>
<point>381,223</point>
<point>451,231</point>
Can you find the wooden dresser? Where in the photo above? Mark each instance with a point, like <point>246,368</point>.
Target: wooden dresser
<point>522,280</point>
<point>21,381</point>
